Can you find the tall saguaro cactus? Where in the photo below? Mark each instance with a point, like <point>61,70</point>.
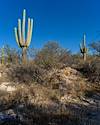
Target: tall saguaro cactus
<point>22,41</point>
<point>83,48</point>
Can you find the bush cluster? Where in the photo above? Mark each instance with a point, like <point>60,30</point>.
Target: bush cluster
<point>26,74</point>
<point>92,71</point>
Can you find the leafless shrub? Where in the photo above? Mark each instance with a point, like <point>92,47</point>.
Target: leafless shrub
<point>26,74</point>
<point>52,55</point>
<point>92,71</point>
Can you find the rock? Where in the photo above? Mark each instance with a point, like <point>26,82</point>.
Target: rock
<point>5,83</point>
<point>10,89</point>
<point>3,87</point>
<point>10,112</point>
<point>65,98</point>
<point>7,86</point>
<point>63,79</point>
<point>68,71</point>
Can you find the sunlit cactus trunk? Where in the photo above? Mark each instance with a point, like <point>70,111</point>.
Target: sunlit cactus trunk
<point>83,48</point>
<point>20,36</point>
<point>84,56</point>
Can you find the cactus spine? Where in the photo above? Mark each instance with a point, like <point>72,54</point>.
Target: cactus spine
<point>83,48</point>
<point>20,35</point>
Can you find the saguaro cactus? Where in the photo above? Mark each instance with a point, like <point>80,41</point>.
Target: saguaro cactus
<point>20,35</point>
<point>2,55</point>
<point>83,48</point>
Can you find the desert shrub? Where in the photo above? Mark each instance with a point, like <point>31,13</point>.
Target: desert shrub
<point>95,47</point>
<point>95,71</point>
<point>26,74</point>
<point>79,63</point>
<point>76,60</point>
<point>52,55</point>
<point>92,71</point>
<point>11,55</point>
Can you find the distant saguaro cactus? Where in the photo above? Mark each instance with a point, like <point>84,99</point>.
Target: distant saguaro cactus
<point>2,55</point>
<point>20,35</point>
<point>83,48</point>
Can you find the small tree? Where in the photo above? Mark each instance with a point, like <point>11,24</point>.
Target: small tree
<point>9,55</point>
<point>52,55</point>
<point>95,46</point>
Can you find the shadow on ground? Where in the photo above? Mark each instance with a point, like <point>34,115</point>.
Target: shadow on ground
<point>27,114</point>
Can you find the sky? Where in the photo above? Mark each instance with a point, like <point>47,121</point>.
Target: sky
<point>63,21</point>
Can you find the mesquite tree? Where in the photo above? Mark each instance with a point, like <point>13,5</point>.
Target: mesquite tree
<point>22,41</point>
